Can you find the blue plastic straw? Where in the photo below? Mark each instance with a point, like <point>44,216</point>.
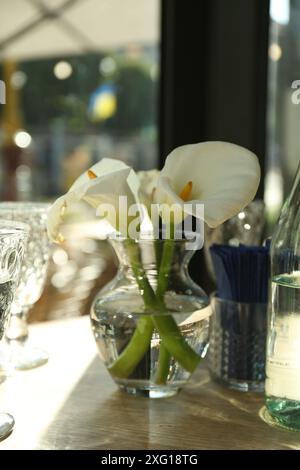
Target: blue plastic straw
<point>242,272</point>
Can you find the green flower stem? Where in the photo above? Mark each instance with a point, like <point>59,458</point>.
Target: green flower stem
<point>164,356</point>
<point>139,343</point>
<point>163,366</point>
<point>158,252</point>
<point>164,269</point>
<point>175,343</point>
<point>135,350</point>
<point>170,334</point>
<point>162,372</point>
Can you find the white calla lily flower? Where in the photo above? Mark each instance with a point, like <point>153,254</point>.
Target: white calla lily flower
<point>223,177</point>
<point>148,182</point>
<point>102,184</point>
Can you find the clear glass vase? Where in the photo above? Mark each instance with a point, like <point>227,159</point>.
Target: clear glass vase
<point>150,322</point>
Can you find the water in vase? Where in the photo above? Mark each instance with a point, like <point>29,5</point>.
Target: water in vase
<point>114,324</point>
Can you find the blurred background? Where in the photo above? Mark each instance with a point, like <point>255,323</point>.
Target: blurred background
<point>132,79</point>
<point>81,84</point>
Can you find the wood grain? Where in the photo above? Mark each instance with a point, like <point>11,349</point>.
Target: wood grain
<point>72,403</point>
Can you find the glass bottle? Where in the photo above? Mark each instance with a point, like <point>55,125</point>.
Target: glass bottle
<point>283,345</point>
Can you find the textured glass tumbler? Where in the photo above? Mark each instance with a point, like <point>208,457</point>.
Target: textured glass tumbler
<point>238,344</point>
<point>12,244</point>
<point>16,351</point>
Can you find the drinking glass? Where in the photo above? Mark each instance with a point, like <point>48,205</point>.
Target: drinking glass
<point>247,227</point>
<point>12,246</point>
<point>237,344</point>
<point>17,353</point>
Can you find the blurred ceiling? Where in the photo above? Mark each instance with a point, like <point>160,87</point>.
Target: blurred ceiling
<point>48,28</point>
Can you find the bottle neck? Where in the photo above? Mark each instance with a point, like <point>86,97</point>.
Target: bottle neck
<point>293,200</point>
<point>285,247</point>
<point>295,191</point>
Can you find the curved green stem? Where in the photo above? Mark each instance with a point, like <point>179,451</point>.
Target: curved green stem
<point>164,264</point>
<point>170,334</point>
<point>163,366</point>
<point>164,357</point>
<point>172,341</point>
<point>135,350</point>
<point>164,269</point>
<point>175,343</point>
<point>139,343</point>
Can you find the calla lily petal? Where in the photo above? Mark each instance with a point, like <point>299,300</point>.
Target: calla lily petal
<point>107,188</point>
<point>146,187</point>
<point>104,167</point>
<point>147,182</point>
<point>111,182</point>
<point>224,178</point>
<point>56,217</point>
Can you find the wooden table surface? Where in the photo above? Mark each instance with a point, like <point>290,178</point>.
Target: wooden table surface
<point>72,403</point>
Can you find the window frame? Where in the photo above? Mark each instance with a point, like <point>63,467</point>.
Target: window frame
<point>213,82</point>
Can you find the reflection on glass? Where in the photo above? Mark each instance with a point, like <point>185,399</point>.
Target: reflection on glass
<point>283,112</point>
<point>17,352</point>
<point>12,243</point>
